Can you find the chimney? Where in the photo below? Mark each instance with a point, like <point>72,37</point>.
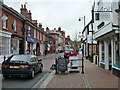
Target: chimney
<point>47,29</point>
<point>54,29</point>
<point>24,6</point>
<point>34,22</point>
<point>29,15</point>
<point>59,28</point>
<point>24,10</point>
<point>40,25</point>
<point>43,29</point>
<point>68,36</point>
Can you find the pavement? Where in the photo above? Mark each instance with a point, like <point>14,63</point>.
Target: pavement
<point>93,77</point>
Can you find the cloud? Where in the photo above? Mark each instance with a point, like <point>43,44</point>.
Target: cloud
<point>57,13</point>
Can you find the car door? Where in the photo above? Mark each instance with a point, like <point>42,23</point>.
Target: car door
<point>33,60</point>
<point>37,64</point>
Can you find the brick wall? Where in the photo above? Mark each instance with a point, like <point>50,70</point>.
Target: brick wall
<point>10,21</point>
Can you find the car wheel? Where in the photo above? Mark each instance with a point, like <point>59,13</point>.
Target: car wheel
<point>5,76</point>
<point>32,74</point>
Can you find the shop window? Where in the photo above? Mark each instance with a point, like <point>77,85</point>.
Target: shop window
<point>4,46</point>
<point>102,51</point>
<point>116,52</point>
<point>14,46</point>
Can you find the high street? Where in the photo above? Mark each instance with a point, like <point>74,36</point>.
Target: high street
<point>18,82</point>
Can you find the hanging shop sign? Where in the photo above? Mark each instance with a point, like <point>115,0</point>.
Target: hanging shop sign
<point>31,40</point>
<point>50,42</point>
<point>28,32</point>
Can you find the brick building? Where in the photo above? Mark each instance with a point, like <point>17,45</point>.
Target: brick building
<point>18,32</point>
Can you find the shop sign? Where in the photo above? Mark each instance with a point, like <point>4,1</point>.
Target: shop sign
<point>31,40</point>
<point>50,42</point>
<point>28,32</point>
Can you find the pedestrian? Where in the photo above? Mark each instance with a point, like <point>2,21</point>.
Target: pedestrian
<point>70,53</point>
<point>27,51</point>
<point>74,53</point>
<point>45,52</point>
<point>34,51</point>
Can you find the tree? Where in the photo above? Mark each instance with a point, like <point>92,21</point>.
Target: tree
<point>76,41</point>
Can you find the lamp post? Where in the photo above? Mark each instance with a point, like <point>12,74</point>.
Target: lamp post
<point>84,27</point>
<point>92,41</point>
<point>84,20</point>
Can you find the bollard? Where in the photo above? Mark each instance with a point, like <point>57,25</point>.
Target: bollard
<point>4,57</point>
<point>56,65</point>
<point>82,66</point>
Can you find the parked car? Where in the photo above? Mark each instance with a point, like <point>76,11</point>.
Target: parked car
<point>21,65</point>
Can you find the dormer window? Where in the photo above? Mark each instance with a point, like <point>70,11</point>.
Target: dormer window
<point>4,18</point>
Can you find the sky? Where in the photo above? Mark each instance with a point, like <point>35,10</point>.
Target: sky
<point>57,13</point>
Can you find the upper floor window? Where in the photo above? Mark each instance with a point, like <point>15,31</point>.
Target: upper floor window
<point>15,26</point>
<point>38,35</point>
<point>29,30</point>
<point>4,18</point>
<point>34,33</point>
<point>43,37</point>
<point>28,27</point>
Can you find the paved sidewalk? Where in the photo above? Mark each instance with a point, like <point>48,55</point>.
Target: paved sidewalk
<point>94,77</point>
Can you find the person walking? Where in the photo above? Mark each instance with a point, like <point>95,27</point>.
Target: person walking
<point>74,53</point>
<point>27,51</point>
<point>70,53</point>
<point>34,51</point>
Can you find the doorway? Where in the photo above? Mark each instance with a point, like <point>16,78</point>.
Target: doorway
<point>37,49</point>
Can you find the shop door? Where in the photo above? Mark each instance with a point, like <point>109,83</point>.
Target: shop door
<point>37,49</point>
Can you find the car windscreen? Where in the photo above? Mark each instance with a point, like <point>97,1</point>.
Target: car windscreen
<point>19,58</point>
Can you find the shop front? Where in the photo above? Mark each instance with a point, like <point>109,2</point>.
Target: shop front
<point>30,44</point>
<point>109,53</point>
<point>42,47</point>
<point>5,44</point>
<point>17,44</point>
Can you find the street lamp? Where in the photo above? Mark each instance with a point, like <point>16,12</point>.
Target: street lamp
<point>84,28</point>
<point>84,20</point>
<point>92,41</point>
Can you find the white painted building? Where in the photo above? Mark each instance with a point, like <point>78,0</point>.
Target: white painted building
<point>106,27</point>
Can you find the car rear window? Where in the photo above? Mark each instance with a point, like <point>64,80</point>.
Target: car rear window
<point>19,58</point>
<point>67,51</point>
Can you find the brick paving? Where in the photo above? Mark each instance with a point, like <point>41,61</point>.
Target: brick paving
<point>100,78</point>
<point>73,80</point>
<point>96,76</point>
<point>47,63</point>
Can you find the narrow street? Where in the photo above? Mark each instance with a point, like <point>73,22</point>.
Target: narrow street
<point>18,82</point>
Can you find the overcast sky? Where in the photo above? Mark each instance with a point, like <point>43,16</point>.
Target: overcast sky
<point>57,13</point>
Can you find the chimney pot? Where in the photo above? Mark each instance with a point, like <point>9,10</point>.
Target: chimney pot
<point>29,11</point>
<point>24,6</point>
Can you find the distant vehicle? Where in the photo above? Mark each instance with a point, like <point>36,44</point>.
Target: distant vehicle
<point>21,65</point>
<point>66,53</point>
